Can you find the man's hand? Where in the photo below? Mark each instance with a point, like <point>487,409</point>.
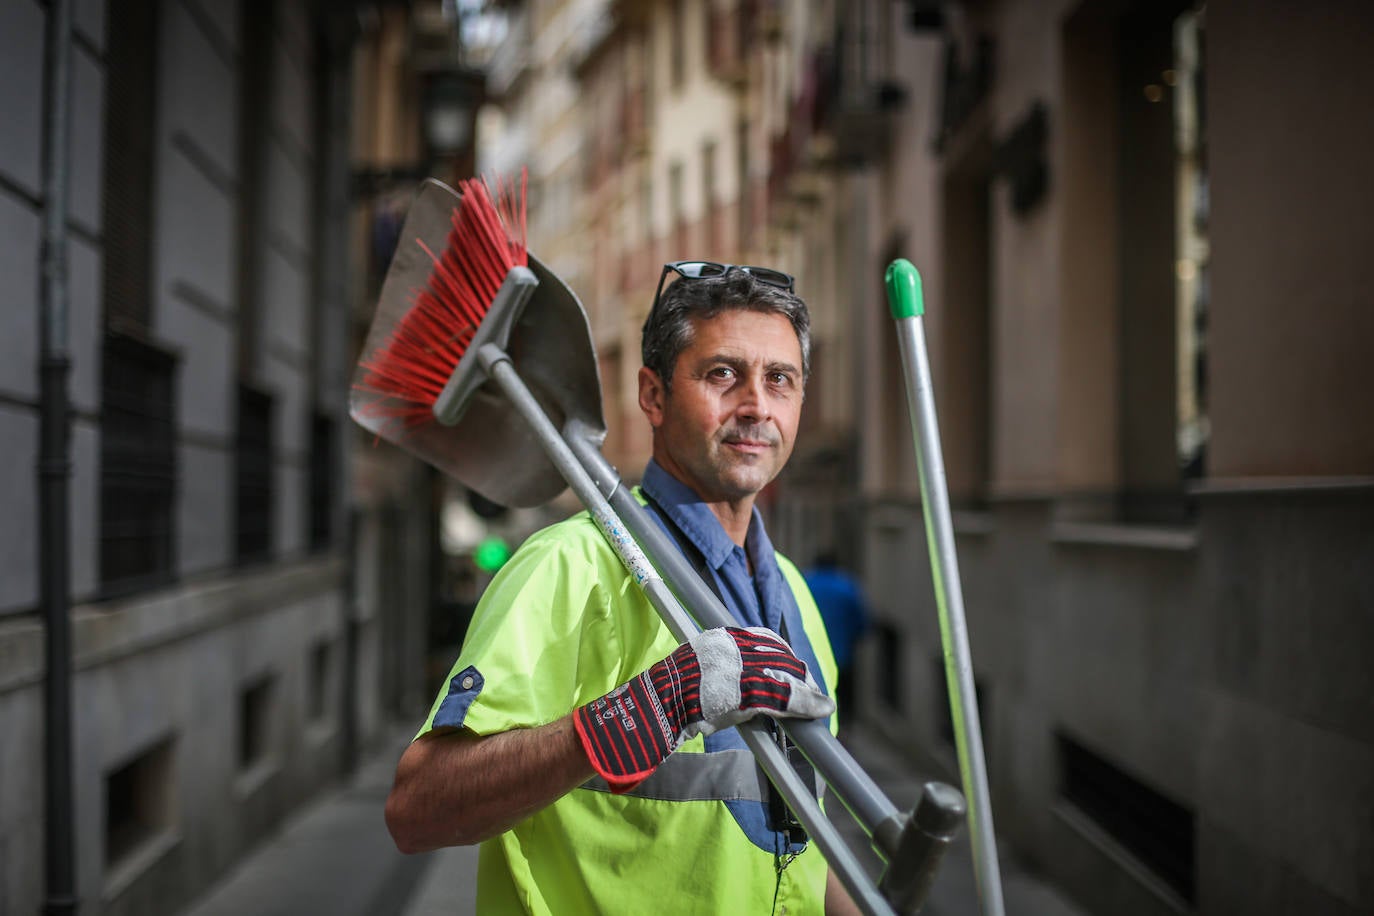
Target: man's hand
<point>720,678</point>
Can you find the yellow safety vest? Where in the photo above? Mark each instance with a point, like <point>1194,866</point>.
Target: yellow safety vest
<point>561,624</point>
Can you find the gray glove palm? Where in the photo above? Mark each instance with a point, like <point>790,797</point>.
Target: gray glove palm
<point>720,678</point>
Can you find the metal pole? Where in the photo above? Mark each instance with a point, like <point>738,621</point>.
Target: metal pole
<point>903,283</point>
<point>54,474</point>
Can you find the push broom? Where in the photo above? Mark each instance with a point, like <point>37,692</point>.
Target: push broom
<point>908,310</point>
<point>442,332</point>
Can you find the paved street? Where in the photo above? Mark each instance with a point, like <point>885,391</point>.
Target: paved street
<point>336,858</point>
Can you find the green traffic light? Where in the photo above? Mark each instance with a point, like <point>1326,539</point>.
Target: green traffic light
<point>491,554</point>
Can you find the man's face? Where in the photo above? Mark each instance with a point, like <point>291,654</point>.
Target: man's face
<point>729,424</point>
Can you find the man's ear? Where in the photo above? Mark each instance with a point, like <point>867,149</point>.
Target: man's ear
<point>652,396</point>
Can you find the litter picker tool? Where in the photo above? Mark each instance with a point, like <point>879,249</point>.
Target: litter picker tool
<point>452,325</point>
<point>908,310</point>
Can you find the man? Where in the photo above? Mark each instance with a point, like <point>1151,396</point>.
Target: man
<point>591,756</point>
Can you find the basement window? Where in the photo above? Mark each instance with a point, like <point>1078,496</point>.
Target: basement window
<point>137,802</point>
<point>1157,831</point>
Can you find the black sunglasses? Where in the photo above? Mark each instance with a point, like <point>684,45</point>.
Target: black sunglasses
<point>702,270</point>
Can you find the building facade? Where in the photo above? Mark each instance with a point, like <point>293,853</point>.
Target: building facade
<point>1139,227</point>
<point>1147,336</point>
<point>224,658</point>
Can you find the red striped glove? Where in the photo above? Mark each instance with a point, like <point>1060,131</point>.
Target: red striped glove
<point>720,678</point>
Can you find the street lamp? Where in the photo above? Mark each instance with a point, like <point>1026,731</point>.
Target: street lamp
<point>451,98</point>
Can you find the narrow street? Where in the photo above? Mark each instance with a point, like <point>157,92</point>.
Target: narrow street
<point>336,857</point>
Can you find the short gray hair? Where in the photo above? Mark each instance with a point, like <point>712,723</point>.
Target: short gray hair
<point>668,329</point>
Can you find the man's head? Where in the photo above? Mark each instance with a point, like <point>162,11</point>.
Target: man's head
<point>706,289</point>
<point>725,367</point>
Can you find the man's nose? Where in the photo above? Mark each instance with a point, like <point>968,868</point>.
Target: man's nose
<point>753,400</point>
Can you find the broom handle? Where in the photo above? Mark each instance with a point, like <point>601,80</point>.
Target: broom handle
<point>905,302</point>
<point>798,795</point>
<point>855,789</point>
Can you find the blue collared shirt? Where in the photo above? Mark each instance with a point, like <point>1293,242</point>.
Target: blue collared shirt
<point>763,599</point>
<point>760,600</point>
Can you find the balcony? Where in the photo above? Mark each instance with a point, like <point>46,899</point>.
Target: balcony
<point>855,109</point>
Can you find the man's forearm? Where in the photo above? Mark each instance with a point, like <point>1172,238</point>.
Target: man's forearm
<point>837,899</point>
<point>457,789</point>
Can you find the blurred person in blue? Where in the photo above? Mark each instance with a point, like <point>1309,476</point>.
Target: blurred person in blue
<point>845,613</point>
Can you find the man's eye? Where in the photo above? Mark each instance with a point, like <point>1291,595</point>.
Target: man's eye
<point>722,372</point>
<point>781,379</point>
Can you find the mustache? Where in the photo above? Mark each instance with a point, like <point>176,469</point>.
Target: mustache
<point>752,432</point>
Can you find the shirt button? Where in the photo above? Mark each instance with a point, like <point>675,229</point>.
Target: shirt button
<point>468,682</point>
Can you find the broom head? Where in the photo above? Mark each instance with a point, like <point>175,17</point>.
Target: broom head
<point>413,361</point>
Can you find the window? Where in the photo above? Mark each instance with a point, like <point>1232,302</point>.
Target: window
<point>646,206</point>
<point>677,52</point>
<point>255,722</point>
<point>745,197</point>
<point>137,465</point>
<point>323,481</point>
<point>317,685</point>
<point>1157,831</point>
<point>1133,308</point>
<point>255,87</point>
<point>965,388</point>
<point>1148,237</point>
<point>1190,137</point>
<point>127,192</point>
<point>709,204</point>
<point>137,801</point>
<point>676,216</point>
<point>253,476</point>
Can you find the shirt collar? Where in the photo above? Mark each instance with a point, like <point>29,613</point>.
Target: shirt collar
<point>696,520</point>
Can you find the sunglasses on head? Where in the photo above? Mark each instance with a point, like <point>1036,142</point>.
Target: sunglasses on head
<point>703,270</point>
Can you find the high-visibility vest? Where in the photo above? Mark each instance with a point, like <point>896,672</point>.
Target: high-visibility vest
<point>561,624</point>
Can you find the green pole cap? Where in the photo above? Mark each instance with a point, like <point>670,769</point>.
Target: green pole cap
<point>904,290</point>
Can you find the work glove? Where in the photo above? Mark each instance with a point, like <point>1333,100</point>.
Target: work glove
<point>720,678</point>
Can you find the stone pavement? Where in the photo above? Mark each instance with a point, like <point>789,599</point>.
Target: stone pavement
<point>336,857</point>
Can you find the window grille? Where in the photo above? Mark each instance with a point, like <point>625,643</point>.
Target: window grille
<point>137,465</point>
<point>1159,832</point>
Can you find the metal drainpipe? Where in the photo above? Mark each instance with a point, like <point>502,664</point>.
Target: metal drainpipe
<point>54,474</point>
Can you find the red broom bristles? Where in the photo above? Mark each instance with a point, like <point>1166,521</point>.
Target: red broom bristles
<point>486,240</point>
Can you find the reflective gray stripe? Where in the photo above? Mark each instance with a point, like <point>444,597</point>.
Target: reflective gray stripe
<point>729,775</point>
